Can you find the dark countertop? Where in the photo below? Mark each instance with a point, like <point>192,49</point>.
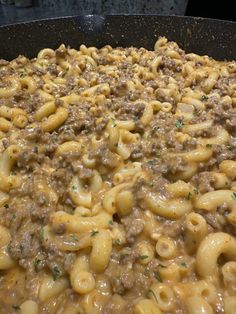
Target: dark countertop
<point>49,8</point>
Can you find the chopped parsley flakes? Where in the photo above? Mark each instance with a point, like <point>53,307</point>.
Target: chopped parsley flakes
<point>189,196</point>
<point>56,273</point>
<point>37,261</point>
<point>143,257</point>
<point>234,196</point>
<point>158,276</point>
<point>93,233</point>
<point>179,124</point>
<point>21,248</point>
<point>118,241</point>
<point>74,237</point>
<point>41,234</point>
<point>204,97</point>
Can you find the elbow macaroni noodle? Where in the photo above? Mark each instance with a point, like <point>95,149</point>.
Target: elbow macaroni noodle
<point>117,182</point>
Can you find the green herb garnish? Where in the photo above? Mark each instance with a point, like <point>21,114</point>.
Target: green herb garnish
<point>189,196</point>
<point>93,233</point>
<point>21,249</point>
<point>234,196</point>
<point>230,147</point>
<point>9,247</point>
<point>178,124</point>
<point>41,234</point>
<point>143,257</point>
<point>71,211</point>
<point>56,273</point>
<point>204,97</point>
<point>157,276</point>
<point>74,237</point>
<point>37,261</point>
<point>151,162</point>
<point>195,111</point>
<point>113,122</point>
<point>104,177</point>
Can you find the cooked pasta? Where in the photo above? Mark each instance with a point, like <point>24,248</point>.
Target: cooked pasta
<point>117,182</point>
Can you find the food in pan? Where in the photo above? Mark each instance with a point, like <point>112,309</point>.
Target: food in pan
<point>117,182</point>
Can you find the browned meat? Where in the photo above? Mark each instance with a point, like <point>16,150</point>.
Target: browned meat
<point>85,173</point>
<point>204,181</point>
<point>52,69</point>
<point>223,152</point>
<point>26,246</point>
<point>136,153</point>
<point>125,110</point>
<point>34,134</point>
<point>127,279</point>
<point>223,85</point>
<point>133,225</point>
<point>105,157</point>
<point>101,126</point>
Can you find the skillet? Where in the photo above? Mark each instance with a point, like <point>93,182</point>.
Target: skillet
<point>216,38</point>
<point>203,36</point>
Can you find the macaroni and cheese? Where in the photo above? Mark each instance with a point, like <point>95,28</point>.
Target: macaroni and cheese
<point>117,182</point>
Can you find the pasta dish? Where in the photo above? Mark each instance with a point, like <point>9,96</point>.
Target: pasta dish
<point>117,182</point>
